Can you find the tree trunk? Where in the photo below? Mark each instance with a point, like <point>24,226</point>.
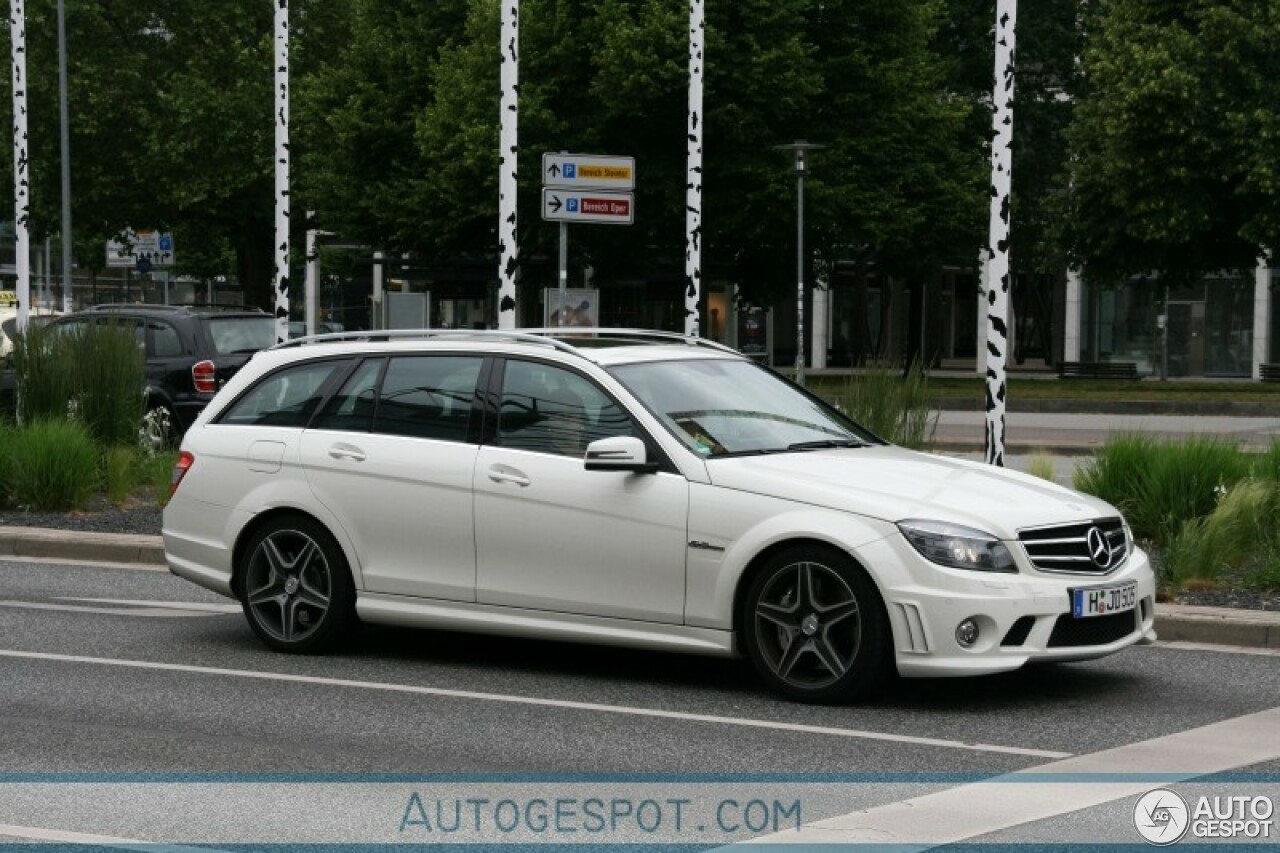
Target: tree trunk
<point>255,266</point>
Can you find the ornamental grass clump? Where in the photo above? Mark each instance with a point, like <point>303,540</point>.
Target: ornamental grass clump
<point>44,373</point>
<point>1161,485</point>
<point>110,373</point>
<point>52,464</point>
<point>892,405</point>
<point>1239,538</point>
<point>121,468</point>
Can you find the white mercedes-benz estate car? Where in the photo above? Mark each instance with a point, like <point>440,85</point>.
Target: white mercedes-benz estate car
<point>630,488</point>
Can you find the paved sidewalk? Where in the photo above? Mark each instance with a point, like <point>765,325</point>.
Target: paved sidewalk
<point>1174,623</point>
<point>1082,433</point>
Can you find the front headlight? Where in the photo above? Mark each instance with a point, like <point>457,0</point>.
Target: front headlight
<point>957,546</point>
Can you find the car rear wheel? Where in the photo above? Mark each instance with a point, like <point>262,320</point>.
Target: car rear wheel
<point>296,588</point>
<point>814,626</point>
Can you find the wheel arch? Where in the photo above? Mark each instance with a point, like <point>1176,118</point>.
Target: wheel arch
<point>261,520</point>
<point>757,563</point>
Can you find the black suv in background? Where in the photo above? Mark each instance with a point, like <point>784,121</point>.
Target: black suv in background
<point>191,351</point>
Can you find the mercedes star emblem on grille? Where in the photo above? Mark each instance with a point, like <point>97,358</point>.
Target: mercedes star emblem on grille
<point>1099,548</point>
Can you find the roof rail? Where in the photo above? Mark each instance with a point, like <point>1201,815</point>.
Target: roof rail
<point>382,335</point>
<point>174,307</point>
<point>639,336</point>
<point>545,337</point>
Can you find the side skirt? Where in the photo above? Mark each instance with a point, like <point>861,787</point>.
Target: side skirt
<point>515,622</point>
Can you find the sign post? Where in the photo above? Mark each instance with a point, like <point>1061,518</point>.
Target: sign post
<point>587,189</point>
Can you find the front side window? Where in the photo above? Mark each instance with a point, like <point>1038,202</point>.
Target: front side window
<point>552,410</point>
<point>286,398</point>
<point>724,407</point>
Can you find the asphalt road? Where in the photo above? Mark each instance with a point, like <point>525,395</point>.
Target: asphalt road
<point>136,706</point>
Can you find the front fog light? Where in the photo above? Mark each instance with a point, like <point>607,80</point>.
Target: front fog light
<point>967,633</point>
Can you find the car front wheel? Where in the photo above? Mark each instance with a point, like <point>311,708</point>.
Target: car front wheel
<point>814,626</point>
<point>296,588</point>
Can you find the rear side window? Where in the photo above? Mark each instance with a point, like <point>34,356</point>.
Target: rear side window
<point>165,342</point>
<point>242,334</point>
<point>351,409</point>
<point>287,397</point>
<point>428,396</point>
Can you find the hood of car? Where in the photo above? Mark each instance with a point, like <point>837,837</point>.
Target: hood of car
<point>894,484</point>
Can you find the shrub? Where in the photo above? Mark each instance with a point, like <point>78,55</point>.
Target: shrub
<point>1240,536</point>
<point>110,372</point>
<point>1041,465</point>
<point>52,465</point>
<point>94,372</point>
<point>1266,465</point>
<point>121,471</point>
<point>44,373</point>
<point>1161,485</point>
<point>159,473</point>
<point>891,405</point>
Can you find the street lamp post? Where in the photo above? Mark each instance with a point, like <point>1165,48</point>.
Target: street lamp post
<point>799,147</point>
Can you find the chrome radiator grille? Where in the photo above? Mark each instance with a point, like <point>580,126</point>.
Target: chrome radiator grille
<point>1085,548</point>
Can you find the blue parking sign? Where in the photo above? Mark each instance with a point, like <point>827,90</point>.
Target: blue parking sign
<point>570,170</point>
<point>571,205</point>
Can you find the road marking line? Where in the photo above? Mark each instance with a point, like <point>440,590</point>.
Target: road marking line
<point>202,606</point>
<point>147,612</point>
<point>36,833</point>
<point>970,811</point>
<point>1211,647</point>
<point>536,702</point>
<point>86,564</point>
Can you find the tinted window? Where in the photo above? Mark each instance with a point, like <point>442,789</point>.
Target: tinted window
<point>165,342</point>
<point>552,410</point>
<point>285,398</point>
<point>352,407</point>
<point>242,334</point>
<point>428,396</point>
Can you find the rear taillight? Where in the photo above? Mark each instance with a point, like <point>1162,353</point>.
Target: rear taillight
<point>180,469</point>
<point>204,375</point>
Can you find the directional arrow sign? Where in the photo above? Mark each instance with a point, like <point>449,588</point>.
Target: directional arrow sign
<point>588,206</point>
<point>589,171</point>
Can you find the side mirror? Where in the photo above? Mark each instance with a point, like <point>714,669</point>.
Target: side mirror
<point>622,453</point>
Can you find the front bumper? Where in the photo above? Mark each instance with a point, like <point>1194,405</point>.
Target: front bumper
<point>1021,618</point>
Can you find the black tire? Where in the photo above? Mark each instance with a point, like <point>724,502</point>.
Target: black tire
<point>814,627</point>
<point>295,585</point>
<point>159,428</point>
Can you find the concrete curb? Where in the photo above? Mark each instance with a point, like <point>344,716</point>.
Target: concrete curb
<point>1174,622</point>
<point>54,544</point>
<point>1218,626</point>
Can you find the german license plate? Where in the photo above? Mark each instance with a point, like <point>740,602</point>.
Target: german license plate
<point>1103,600</point>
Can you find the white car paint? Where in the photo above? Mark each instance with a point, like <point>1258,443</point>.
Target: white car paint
<point>484,538</point>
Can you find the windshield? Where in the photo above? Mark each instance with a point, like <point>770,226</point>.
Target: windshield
<point>242,334</point>
<point>725,408</point>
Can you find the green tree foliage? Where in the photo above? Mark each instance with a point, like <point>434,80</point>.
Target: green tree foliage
<point>170,106</point>
<point>1174,138</point>
<point>408,156</point>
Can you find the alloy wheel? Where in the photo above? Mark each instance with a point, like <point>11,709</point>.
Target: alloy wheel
<point>289,586</point>
<point>808,625</point>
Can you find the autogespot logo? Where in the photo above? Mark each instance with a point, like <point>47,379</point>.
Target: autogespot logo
<point>1161,817</point>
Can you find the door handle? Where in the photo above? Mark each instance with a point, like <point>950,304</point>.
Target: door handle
<point>346,451</point>
<point>508,475</point>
